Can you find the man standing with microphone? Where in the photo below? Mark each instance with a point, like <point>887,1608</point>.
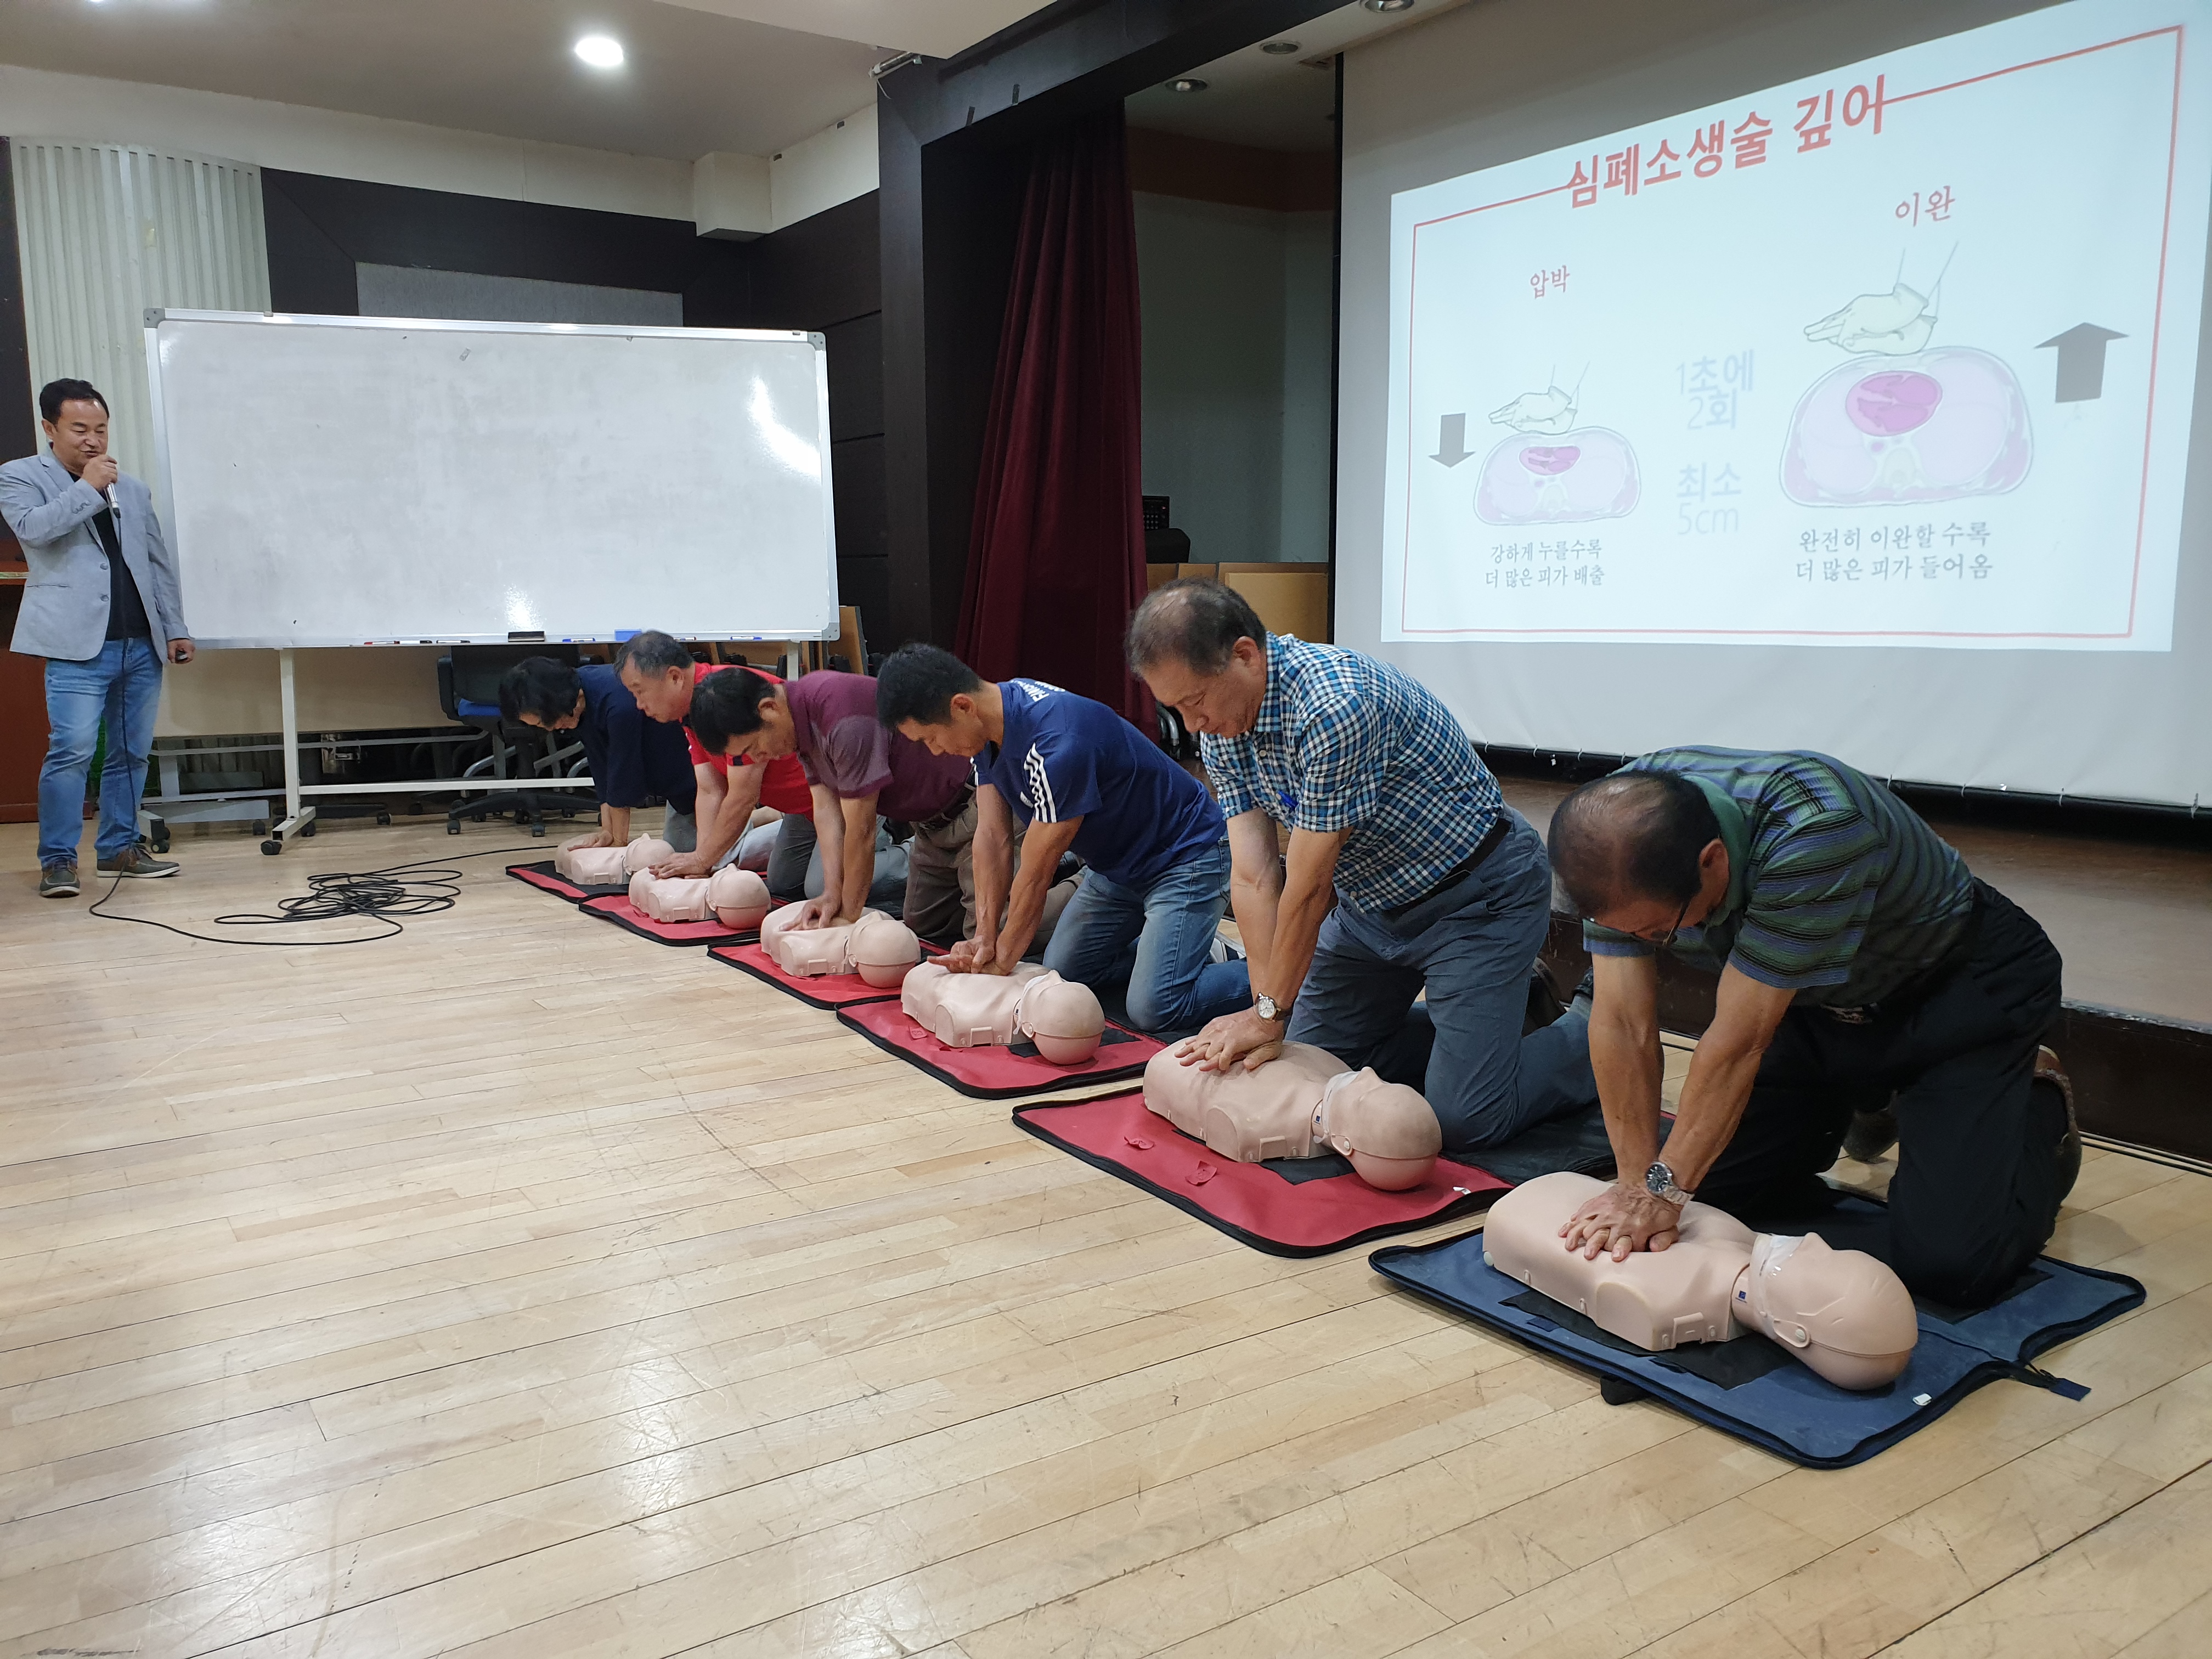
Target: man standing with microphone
<point>102,607</point>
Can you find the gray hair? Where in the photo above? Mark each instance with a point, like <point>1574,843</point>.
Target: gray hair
<point>1193,622</point>
<point>653,652</point>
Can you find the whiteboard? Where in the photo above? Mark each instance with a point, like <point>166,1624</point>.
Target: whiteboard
<point>347,481</point>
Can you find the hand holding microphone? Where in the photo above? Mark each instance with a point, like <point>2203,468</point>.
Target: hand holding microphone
<point>100,473</point>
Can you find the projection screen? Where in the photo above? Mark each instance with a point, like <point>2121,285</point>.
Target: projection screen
<point>1815,376</point>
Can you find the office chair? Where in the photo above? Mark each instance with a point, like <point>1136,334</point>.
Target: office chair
<point>468,690</point>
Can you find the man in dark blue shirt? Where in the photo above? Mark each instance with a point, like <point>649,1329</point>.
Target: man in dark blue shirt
<point>632,758</point>
<point>1082,779</point>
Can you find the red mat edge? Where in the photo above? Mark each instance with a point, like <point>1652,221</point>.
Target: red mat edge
<point>630,926</point>
<point>1469,1204</point>
<point>976,1092</point>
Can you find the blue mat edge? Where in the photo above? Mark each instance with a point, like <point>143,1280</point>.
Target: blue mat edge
<point>1641,1376</point>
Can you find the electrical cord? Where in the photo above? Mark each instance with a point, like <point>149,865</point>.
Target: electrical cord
<point>383,895</point>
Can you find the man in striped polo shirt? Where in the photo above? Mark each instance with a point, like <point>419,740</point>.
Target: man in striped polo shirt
<point>1863,969</point>
<point>1399,928</point>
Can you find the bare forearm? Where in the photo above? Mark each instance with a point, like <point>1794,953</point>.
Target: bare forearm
<point>1714,1095</point>
<point>1253,903</point>
<point>615,820</point>
<point>1626,1056</point>
<point>859,827</point>
<point>1299,913</point>
<point>993,858</point>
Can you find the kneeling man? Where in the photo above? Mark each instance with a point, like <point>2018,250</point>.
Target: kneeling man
<point>1861,968</point>
<point>1084,779</point>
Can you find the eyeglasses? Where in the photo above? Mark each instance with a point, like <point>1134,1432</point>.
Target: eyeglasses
<point>1669,941</point>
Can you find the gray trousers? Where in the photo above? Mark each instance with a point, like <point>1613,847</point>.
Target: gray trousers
<point>1470,948</point>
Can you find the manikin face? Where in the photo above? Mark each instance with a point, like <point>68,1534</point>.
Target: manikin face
<point>1225,704</point>
<point>79,436</point>
<point>664,696</point>
<point>776,736</point>
<point>960,732</point>
<point>560,723</point>
<point>1656,920</point>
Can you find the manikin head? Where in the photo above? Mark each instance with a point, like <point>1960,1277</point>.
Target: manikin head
<point>646,852</point>
<point>1641,852</point>
<point>544,692</point>
<point>1842,1312</point>
<point>737,897</point>
<point>884,950</point>
<point>931,698</point>
<point>1063,1019</point>
<point>741,713</point>
<point>656,670</point>
<point>1386,1129</point>
<point>1203,651</point>
<point>74,418</point>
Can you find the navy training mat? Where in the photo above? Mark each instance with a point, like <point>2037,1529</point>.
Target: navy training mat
<point>1750,1386</point>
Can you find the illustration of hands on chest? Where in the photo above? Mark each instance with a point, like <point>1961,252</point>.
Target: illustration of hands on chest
<point>1305,1103</point>
<point>880,950</point>
<point>975,1011</point>
<point>608,866</point>
<point>1845,1314</point>
<point>736,899</point>
<point>1552,471</point>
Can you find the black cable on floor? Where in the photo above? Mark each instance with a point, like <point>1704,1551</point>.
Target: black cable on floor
<point>383,895</point>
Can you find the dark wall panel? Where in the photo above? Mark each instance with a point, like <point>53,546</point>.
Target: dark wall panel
<point>821,271</point>
<point>856,377</point>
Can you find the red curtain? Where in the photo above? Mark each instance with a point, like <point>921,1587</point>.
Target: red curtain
<point>1056,557</point>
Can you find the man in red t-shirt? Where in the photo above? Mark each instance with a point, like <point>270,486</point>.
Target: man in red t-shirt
<point>661,675</point>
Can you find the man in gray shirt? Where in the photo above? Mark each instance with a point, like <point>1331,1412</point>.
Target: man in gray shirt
<point>102,607</point>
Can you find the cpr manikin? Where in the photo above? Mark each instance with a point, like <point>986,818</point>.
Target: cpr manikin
<point>973,1011</point>
<point>610,866</point>
<point>1845,1314</point>
<point>808,952</point>
<point>1305,1103</point>
<point>736,899</point>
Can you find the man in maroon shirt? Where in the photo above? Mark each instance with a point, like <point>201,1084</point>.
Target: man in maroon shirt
<point>856,770</point>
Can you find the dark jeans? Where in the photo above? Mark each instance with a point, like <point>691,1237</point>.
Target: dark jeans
<point>1976,1192</point>
<point>1469,950</point>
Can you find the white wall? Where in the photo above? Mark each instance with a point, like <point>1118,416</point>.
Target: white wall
<point>43,104</point>
<point>1236,306</point>
<point>835,164</point>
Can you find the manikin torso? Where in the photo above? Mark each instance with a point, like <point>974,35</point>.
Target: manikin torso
<point>971,1011</point>
<point>736,899</point>
<point>1306,1102</point>
<point>610,866</point>
<point>1842,1312</point>
<point>810,952</point>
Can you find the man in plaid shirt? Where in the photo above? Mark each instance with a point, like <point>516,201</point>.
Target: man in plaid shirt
<point>1406,871</point>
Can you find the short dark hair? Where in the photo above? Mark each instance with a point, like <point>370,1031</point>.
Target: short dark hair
<point>540,686</point>
<point>918,682</point>
<point>727,705</point>
<point>1193,622</point>
<point>1631,835</point>
<point>651,652</point>
<point>54,394</point>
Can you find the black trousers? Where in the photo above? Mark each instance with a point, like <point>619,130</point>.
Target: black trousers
<point>1976,1192</point>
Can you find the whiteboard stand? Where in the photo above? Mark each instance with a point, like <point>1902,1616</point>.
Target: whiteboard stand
<point>298,820</point>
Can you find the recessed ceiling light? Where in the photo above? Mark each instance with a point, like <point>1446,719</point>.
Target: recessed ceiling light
<point>1186,84</point>
<point>600,51</point>
<point>1279,48</point>
<point>1387,5</point>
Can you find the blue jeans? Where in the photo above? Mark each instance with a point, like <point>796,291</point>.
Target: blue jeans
<point>1157,941</point>
<point>122,684</point>
<point>1471,948</point>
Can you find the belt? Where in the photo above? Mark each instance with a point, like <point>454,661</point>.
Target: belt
<point>1924,984</point>
<point>1459,872</point>
<point>959,805</point>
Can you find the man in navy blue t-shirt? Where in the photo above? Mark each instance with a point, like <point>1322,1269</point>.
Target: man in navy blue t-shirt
<point>632,758</point>
<point>1082,779</point>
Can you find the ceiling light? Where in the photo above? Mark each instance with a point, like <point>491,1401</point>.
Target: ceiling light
<point>1186,84</point>
<point>1387,5</point>
<point>600,51</point>
<point>1279,48</point>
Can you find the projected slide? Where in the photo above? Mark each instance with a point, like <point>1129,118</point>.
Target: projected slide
<point>1899,355</point>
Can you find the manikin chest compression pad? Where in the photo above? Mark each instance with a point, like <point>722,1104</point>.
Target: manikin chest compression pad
<point>1750,1386</point>
<point>1255,1204</point>
<point>543,876</point>
<point>995,1071</point>
<point>617,909</point>
<point>819,990</point>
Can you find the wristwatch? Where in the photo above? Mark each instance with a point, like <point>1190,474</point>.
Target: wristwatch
<point>1659,1181</point>
<point>1268,1009</point>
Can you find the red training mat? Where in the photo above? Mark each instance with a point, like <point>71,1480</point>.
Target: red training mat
<point>617,909</point>
<point>822,990</point>
<point>1249,1201</point>
<point>543,876</point>
<point>996,1072</point>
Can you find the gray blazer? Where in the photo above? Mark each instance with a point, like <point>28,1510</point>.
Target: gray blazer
<point>64,611</point>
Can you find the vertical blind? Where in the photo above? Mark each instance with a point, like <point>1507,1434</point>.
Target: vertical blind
<point>105,231</point>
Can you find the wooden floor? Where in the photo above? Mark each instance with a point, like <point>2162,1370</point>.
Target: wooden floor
<point>521,1288</point>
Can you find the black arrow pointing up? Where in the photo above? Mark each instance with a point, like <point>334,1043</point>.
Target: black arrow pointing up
<point>2081,362</point>
<point>1451,440</point>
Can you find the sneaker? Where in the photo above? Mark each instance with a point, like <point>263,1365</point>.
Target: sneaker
<point>136,860</point>
<point>1871,1134</point>
<point>2049,1074</point>
<point>58,881</point>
